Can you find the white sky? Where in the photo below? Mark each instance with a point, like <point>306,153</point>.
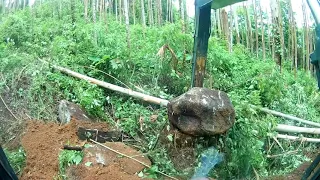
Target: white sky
<point>296,6</point>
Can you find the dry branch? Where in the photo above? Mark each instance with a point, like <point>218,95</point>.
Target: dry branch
<point>162,52</point>
<point>130,157</point>
<point>129,92</point>
<point>296,138</point>
<point>295,129</point>
<point>4,103</point>
<point>290,117</point>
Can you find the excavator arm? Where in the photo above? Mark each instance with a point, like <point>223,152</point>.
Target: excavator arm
<point>202,34</point>
<point>315,56</point>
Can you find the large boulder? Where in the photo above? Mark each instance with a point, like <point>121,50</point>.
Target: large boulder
<point>68,110</point>
<point>202,112</point>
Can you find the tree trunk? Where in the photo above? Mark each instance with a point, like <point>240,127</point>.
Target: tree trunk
<point>182,15</point>
<point>256,26</point>
<point>306,37</point>
<point>150,12</point>
<point>116,9</point>
<point>86,10</point>
<point>120,11</point>
<point>230,29</point>
<point>249,30</point>
<point>218,15</point>
<point>262,33</point>
<point>282,51</point>
<point>94,17</point>
<point>168,12</point>
<point>143,15</point>
<point>277,48</point>
<point>126,14</point>
<point>134,11</point>
<point>235,14</point>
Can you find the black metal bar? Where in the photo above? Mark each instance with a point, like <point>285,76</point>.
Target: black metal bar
<point>200,49</point>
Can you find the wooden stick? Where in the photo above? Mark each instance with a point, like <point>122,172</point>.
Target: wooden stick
<point>290,117</point>
<point>295,129</point>
<point>8,108</point>
<point>146,165</point>
<point>279,155</point>
<point>147,98</point>
<point>296,138</point>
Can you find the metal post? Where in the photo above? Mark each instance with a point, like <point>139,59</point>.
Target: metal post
<point>202,34</point>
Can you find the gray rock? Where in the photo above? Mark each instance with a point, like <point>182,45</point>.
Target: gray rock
<point>68,110</point>
<point>202,112</point>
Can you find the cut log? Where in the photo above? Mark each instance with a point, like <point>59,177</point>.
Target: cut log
<point>286,116</point>
<point>295,129</point>
<point>295,138</point>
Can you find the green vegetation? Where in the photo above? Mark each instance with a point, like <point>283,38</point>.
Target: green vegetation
<point>68,158</point>
<point>16,159</point>
<point>32,37</point>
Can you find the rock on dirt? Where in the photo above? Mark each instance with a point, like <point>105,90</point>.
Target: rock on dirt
<point>105,164</point>
<point>202,112</point>
<point>68,110</point>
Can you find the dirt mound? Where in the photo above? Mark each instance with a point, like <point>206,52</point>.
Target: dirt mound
<point>44,141</point>
<point>108,164</point>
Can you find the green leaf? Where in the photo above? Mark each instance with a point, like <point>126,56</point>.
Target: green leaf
<point>77,159</point>
<point>140,175</point>
<point>170,137</point>
<point>88,164</point>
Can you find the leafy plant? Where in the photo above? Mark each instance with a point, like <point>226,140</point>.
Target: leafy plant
<point>17,159</point>
<point>68,158</point>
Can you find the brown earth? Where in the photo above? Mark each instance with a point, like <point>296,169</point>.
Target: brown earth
<point>44,141</point>
<point>107,164</point>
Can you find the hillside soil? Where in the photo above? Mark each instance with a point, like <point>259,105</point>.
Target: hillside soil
<point>44,141</point>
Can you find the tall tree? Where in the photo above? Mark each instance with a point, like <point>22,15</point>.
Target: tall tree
<point>262,33</point>
<point>181,9</point>
<point>143,15</point>
<point>249,29</point>
<point>150,12</point>
<point>94,17</point>
<point>277,48</point>
<point>256,26</point>
<point>306,36</point>
<point>134,11</point>
<point>126,14</point>
<point>236,24</point>
<point>86,9</point>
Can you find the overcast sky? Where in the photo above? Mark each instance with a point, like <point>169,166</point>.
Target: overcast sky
<point>296,6</point>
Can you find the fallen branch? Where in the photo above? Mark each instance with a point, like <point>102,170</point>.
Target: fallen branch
<point>296,138</point>
<point>290,117</point>
<point>146,165</point>
<point>295,129</point>
<point>4,103</point>
<point>113,87</point>
<point>279,155</point>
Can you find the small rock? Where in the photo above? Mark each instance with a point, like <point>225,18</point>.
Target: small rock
<point>68,110</point>
<point>202,112</point>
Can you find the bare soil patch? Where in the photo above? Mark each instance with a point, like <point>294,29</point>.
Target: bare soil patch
<point>44,141</point>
